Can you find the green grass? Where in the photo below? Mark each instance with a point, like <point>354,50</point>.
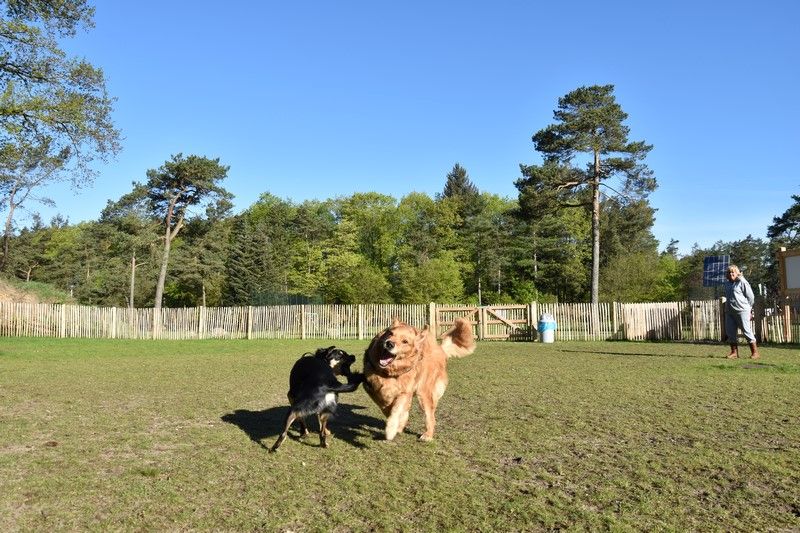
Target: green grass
<point>142,435</point>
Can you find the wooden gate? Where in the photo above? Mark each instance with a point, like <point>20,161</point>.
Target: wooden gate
<point>446,315</point>
<point>490,322</point>
<point>507,322</point>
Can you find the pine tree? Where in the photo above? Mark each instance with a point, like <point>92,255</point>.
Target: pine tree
<point>589,121</point>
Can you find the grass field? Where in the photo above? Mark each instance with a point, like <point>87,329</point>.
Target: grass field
<point>143,435</point>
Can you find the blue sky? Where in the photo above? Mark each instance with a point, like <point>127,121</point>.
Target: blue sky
<point>322,99</point>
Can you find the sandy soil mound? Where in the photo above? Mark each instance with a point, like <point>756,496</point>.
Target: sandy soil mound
<point>10,294</point>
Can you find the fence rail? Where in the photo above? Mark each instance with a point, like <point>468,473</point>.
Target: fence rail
<point>676,321</point>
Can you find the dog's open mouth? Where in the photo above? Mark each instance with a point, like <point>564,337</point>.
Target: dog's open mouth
<point>385,360</point>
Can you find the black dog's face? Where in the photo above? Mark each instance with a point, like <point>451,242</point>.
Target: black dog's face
<point>338,359</point>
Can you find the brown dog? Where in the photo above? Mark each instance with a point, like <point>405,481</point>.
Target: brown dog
<point>402,361</point>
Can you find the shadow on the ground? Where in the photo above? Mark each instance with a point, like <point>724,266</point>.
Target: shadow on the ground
<point>348,425</point>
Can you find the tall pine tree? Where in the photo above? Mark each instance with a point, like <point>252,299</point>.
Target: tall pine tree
<point>589,121</point>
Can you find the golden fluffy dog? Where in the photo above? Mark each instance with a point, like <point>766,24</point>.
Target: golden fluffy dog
<point>402,361</point>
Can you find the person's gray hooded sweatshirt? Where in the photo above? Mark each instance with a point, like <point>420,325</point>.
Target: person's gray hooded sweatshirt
<point>739,295</point>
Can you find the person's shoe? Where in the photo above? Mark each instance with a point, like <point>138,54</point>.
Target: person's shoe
<point>754,351</point>
<point>733,355</point>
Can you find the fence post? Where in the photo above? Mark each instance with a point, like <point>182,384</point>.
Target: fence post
<point>614,320</point>
<point>787,323</point>
<point>201,322</point>
<point>249,322</point>
<point>302,321</point>
<point>758,317</point>
<point>156,323</point>
<point>360,321</point>
<point>113,322</point>
<point>723,335</point>
<point>432,318</point>
<point>62,327</point>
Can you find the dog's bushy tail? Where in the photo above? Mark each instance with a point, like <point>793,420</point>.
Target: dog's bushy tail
<point>459,340</point>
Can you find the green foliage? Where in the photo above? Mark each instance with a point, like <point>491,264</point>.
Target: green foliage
<point>785,228</point>
<point>198,265</point>
<point>351,279</point>
<point>376,221</point>
<point>752,255</point>
<point>426,228</point>
<point>635,277</point>
<point>485,242</point>
<point>62,16</point>
<point>434,280</point>
<point>554,253</point>
<point>625,228</point>
<point>370,248</point>
<point>182,183</point>
<point>458,184</point>
<point>277,247</point>
<point>49,98</point>
<point>55,113</point>
<point>462,193</point>
<point>348,276</point>
<point>670,287</point>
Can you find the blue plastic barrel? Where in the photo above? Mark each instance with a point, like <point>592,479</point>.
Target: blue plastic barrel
<point>547,328</point>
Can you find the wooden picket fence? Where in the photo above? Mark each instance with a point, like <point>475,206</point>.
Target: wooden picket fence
<point>780,322</point>
<point>269,322</point>
<point>693,321</point>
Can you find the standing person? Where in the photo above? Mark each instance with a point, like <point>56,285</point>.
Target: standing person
<point>738,312</point>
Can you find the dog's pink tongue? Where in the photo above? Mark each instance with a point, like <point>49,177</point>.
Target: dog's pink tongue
<point>386,360</point>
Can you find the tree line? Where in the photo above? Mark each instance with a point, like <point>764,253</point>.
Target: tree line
<point>579,230</point>
<point>462,245</point>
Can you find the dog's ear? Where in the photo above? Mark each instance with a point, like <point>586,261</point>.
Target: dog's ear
<point>324,351</point>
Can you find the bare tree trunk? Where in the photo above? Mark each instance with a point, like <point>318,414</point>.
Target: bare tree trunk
<point>169,234</point>
<point>7,229</point>
<point>162,275</point>
<point>133,279</point>
<point>596,230</point>
<point>7,236</point>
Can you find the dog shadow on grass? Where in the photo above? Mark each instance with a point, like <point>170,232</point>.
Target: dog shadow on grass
<point>348,425</point>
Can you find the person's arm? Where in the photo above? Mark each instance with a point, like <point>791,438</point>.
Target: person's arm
<point>748,292</point>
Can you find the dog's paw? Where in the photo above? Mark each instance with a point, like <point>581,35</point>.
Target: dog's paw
<point>356,378</point>
<point>425,437</point>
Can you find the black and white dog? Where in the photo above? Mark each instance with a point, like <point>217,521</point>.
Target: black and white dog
<point>313,389</point>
